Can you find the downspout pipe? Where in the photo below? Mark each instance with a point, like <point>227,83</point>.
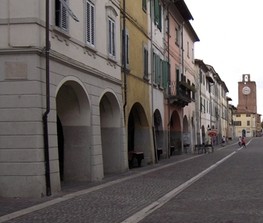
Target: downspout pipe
<point>124,58</point>
<point>152,78</point>
<point>169,83</point>
<point>45,115</point>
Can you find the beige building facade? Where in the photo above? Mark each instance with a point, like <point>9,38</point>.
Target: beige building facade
<point>81,101</point>
<point>97,82</point>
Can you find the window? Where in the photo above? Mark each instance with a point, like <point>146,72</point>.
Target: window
<point>161,71</point>
<point>158,14</point>
<point>193,55</point>
<point>165,73</point>
<point>177,36</point>
<point>111,37</point>
<point>237,123</point>
<point>125,47</point>
<point>200,77</point>
<point>90,23</point>
<point>238,115</point>
<point>61,16</point>
<point>193,92</point>
<point>154,67</point>
<point>187,49</point>
<point>248,115</point>
<point>248,123</point>
<point>157,66</point>
<point>204,106</point>
<point>201,104</point>
<point>145,62</point>
<point>144,5</point>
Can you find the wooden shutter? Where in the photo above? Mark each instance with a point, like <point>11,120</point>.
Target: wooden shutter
<point>90,24</point>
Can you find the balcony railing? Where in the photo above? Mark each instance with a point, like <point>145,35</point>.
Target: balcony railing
<point>180,93</point>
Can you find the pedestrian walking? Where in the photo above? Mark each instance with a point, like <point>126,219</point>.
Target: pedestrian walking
<point>243,142</point>
<point>240,141</point>
<point>223,140</point>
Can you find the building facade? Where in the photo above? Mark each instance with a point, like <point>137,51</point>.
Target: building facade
<point>97,83</point>
<point>79,94</point>
<point>137,79</point>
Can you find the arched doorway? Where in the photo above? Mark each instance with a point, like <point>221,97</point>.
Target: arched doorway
<point>175,133</point>
<point>203,134</point>
<point>73,131</point>
<point>111,134</point>
<point>186,132</point>
<point>158,132</point>
<point>139,133</point>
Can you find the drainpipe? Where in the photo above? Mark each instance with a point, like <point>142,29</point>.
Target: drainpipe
<point>169,84</point>
<point>124,58</point>
<point>153,127</point>
<point>45,115</point>
<point>182,48</point>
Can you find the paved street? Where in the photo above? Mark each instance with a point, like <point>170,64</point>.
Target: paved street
<point>224,186</point>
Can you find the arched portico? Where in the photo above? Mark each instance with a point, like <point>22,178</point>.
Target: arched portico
<point>186,132</point>
<point>111,134</point>
<point>74,132</point>
<point>175,132</point>
<point>139,133</point>
<point>158,130</point>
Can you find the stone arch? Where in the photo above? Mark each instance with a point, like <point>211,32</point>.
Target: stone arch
<point>111,133</point>
<point>139,133</point>
<point>73,131</point>
<point>203,133</point>
<point>158,131</point>
<point>175,132</point>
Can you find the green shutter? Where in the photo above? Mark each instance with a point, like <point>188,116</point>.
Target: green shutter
<point>144,6</point>
<point>160,18</point>
<point>165,74</point>
<point>156,11</point>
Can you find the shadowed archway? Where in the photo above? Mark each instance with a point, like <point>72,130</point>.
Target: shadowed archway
<point>73,131</point>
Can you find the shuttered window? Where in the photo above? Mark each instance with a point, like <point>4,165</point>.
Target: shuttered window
<point>145,63</point>
<point>61,16</point>
<point>90,23</point>
<point>165,73</point>
<point>144,5</point>
<point>111,37</point>
<point>158,14</point>
<point>126,47</point>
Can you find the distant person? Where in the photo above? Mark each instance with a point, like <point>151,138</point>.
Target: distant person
<point>243,142</point>
<point>240,141</point>
<point>223,140</point>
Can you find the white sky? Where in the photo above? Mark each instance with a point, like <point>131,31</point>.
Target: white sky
<point>231,40</point>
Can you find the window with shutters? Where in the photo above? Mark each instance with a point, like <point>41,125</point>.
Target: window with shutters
<point>126,43</point>
<point>144,5</point>
<point>158,14</point>
<point>145,62</point>
<point>165,73</point>
<point>90,23</point>
<point>61,16</point>
<point>157,68</point>
<point>111,37</point>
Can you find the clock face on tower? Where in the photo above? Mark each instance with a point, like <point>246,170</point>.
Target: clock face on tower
<point>246,90</point>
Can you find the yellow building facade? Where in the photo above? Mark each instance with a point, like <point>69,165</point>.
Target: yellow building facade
<point>136,87</point>
<point>245,124</point>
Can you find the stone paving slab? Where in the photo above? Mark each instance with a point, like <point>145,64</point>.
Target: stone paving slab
<point>117,202</point>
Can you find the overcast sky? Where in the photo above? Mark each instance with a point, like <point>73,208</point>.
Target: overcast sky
<point>231,40</point>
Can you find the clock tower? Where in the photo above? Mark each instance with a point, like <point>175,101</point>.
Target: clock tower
<point>247,97</point>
